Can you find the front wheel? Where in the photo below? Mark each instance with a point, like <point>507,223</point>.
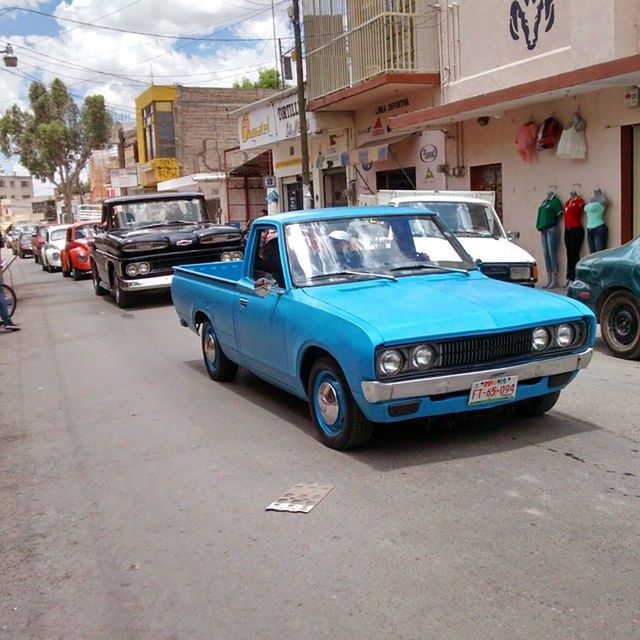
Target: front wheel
<point>536,406</point>
<point>75,274</point>
<point>123,298</point>
<point>338,420</point>
<point>620,325</point>
<point>98,289</point>
<point>10,298</point>
<point>219,367</point>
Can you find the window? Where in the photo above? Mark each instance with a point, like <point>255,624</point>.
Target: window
<point>24,184</point>
<point>267,262</point>
<point>396,179</point>
<point>2,183</point>
<point>159,133</point>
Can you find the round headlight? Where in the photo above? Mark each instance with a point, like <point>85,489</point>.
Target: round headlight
<point>82,257</point>
<point>422,356</point>
<point>237,255</point>
<point>131,269</point>
<point>390,362</point>
<point>226,257</point>
<point>540,339</point>
<point>565,335</point>
<point>143,268</point>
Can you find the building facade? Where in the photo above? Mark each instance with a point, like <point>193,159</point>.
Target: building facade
<point>455,120</point>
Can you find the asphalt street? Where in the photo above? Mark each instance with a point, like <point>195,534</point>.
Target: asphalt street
<point>133,493</point>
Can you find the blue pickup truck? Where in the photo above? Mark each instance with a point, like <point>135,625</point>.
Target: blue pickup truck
<point>378,315</point>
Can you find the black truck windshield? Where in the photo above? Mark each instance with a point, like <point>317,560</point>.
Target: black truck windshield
<point>136,215</point>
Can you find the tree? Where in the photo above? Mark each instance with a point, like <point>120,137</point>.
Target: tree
<point>267,79</point>
<point>54,139</point>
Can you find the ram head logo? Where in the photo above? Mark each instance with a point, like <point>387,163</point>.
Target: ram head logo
<point>526,15</point>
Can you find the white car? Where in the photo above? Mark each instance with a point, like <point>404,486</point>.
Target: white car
<point>54,241</point>
<point>478,228</point>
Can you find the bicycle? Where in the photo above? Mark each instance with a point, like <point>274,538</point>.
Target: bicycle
<point>9,293</point>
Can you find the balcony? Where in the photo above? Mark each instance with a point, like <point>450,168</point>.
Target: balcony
<point>351,42</point>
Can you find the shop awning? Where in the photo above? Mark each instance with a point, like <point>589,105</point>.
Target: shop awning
<point>256,165</point>
<point>375,151</point>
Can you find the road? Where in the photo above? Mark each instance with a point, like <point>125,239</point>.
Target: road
<point>133,493</point>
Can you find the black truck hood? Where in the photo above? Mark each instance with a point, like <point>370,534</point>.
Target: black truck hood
<point>178,235</point>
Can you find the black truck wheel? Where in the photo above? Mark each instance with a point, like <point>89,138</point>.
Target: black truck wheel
<point>335,414</point>
<point>122,298</point>
<point>218,366</point>
<point>620,325</point>
<point>98,289</point>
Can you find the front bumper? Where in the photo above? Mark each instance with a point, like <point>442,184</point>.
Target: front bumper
<point>147,284</point>
<point>377,392</point>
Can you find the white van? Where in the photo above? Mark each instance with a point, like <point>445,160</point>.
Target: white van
<point>474,222</point>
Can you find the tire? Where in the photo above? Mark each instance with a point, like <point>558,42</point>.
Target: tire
<point>75,274</point>
<point>620,325</point>
<point>336,416</point>
<point>98,289</point>
<point>218,366</point>
<point>122,298</point>
<point>43,265</point>
<point>10,297</point>
<point>35,258</point>
<point>536,406</point>
<point>20,255</point>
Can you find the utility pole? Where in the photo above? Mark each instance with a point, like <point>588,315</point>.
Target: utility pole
<point>307,198</point>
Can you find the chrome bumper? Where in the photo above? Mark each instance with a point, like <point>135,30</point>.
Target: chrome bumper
<point>145,284</point>
<point>375,391</point>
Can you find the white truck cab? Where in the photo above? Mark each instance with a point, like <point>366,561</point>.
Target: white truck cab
<point>473,220</point>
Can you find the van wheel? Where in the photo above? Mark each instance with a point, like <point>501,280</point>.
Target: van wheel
<point>218,366</point>
<point>335,414</point>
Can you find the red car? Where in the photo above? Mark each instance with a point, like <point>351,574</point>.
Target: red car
<point>75,255</point>
<point>38,241</point>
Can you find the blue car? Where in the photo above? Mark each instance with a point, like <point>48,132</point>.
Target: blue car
<point>378,315</point>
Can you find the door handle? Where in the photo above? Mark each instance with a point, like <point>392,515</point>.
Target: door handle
<point>243,302</point>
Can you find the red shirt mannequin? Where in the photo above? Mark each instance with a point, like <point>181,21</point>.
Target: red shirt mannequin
<point>573,209</point>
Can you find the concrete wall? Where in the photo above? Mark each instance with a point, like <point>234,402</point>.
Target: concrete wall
<point>525,184</point>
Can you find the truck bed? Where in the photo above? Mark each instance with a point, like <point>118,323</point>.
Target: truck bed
<point>229,272</point>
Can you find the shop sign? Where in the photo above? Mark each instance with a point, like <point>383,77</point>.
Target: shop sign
<point>402,103</point>
<point>288,163</point>
<point>166,168</point>
<point>269,182</point>
<point>288,110</point>
<point>428,153</point>
<point>124,177</point>
<point>249,133</point>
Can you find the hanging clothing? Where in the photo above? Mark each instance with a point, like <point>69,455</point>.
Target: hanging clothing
<point>548,212</point>
<point>595,214</point>
<point>573,209</point>
<point>572,144</point>
<point>548,134</point>
<point>526,140</point>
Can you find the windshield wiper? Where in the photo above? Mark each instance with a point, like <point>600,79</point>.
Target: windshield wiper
<point>164,224</point>
<point>351,273</point>
<point>429,265</point>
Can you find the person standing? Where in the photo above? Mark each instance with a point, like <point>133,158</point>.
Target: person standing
<point>573,233</point>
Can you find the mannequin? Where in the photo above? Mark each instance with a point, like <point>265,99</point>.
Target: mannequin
<point>573,232</point>
<point>547,224</point>
<point>597,230</point>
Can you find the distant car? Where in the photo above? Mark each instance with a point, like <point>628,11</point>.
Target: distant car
<point>609,282</point>
<point>37,241</point>
<point>74,257</point>
<point>14,237</point>
<point>24,245</point>
<point>55,237</point>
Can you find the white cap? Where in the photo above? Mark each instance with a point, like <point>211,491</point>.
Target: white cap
<point>340,235</point>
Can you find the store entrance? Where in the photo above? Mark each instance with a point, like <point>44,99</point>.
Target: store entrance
<point>488,177</point>
<point>294,196</point>
<point>335,187</point>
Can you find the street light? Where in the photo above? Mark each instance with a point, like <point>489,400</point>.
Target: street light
<point>10,59</point>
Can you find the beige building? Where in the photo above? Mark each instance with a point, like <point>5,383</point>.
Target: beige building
<point>439,94</point>
<point>16,194</point>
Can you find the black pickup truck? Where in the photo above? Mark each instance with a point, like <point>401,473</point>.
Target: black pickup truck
<point>142,237</point>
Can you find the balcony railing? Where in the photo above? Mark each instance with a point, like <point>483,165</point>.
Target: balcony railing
<point>349,41</point>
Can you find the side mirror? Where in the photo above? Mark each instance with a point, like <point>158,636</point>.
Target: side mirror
<point>513,235</point>
<point>478,263</point>
<point>263,287</point>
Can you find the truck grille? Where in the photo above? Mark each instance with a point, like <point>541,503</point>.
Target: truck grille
<point>484,349</point>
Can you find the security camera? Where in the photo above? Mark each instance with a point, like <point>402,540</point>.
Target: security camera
<point>483,121</point>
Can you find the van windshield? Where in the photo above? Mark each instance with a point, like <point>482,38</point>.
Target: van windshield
<point>465,219</point>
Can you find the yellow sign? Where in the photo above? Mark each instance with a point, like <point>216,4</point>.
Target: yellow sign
<point>166,168</point>
<point>249,133</point>
<point>429,175</point>
<point>288,163</point>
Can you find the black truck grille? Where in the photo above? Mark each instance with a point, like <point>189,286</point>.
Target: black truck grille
<point>484,349</point>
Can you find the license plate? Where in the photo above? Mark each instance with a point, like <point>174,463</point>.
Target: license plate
<point>493,390</point>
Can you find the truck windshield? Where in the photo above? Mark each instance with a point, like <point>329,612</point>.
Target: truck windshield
<point>465,219</point>
<point>325,251</point>
<point>135,215</point>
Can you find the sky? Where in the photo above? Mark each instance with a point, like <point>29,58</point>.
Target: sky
<point>232,39</point>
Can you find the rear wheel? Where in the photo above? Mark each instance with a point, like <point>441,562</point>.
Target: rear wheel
<point>536,406</point>
<point>620,325</point>
<point>335,414</point>
<point>10,297</point>
<point>98,289</point>
<point>218,366</point>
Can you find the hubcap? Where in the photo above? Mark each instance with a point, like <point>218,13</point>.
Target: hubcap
<point>624,325</point>
<point>328,403</point>
<point>210,348</point>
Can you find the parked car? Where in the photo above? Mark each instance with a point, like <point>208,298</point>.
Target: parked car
<point>55,237</point>
<point>609,283</point>
<point>14,237</point>
<point>74,256</point>
<point>142,238</point>
<point>24,244</point>
<point>38,240</point>
<point>478,228</point>
<point>378,314</point>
